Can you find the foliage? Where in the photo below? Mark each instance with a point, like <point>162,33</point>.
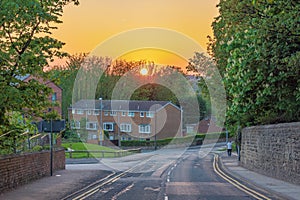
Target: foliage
<point>25,48</point>
<point>191,139</point>
<point>154,92</point>
<point>203,67</point>
<point>256,48</point>
<point>83,68</point>
<point>13,139</point>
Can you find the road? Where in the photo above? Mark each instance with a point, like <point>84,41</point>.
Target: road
<point>168,174</point>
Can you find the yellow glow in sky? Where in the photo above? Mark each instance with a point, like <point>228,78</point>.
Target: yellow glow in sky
<point>94,21</point>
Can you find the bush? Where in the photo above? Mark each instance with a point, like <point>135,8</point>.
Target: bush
<point>37,148</point>
<point>190,139</point>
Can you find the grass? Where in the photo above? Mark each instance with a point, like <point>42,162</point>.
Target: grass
<point>79,146</point>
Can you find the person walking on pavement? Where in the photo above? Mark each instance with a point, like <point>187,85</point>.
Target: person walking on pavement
<point>229,148</point>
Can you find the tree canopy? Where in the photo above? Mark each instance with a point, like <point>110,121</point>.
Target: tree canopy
<point>256,48</point>
<point>26,47</point>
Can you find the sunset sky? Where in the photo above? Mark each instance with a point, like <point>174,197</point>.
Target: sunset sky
<point>94,22</point>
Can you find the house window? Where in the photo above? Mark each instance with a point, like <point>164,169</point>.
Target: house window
<point>144,128</point>
<point>73,111</point>
<point>96,112</point>
<point>189,129</point>
<point>108,126</point>
<point>75,124</point>
<point>105,113</point>
<point>54,97</point>
<point>141,114</point>
<point>130,114</point>
<point>149,114</point>
<point>89,112</point>
<point>125,128</point>
<point>113,113</point>
<point>123,113</point>
<point>94,137</point>
<point>91,125</point>
<point>79,112</point>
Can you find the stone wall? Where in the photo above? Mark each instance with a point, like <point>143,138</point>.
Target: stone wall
<point>273,150</point>
<point>17,170</point>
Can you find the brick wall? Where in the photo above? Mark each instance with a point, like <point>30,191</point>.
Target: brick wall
<point>16,170</point>
<point>273,150</point>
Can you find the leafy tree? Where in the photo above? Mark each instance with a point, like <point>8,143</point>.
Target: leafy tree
<point>211,90</point>
<point>65,76</point>
<point>256,47</point>
<point>14,140</point>
<point>25,48</point>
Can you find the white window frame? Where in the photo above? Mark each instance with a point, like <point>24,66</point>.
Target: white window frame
<point>142,114</point>
<point>125,127</point>
<point>123,113</point>
<point>130,114</point>
<point>96,112</point>
<point>73,111</point>
<point>79,111</point>
<point>75,125</point>
<point>94,137</point>
<point>145,128</point>
<point>108,123</point>
<point>89,112</point>
<point>105,113</point>
<point>113,113</point>
<point>88,127</point>
<point>149,114</point>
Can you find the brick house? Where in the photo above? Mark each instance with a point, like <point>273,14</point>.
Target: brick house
<point>55,98</point>
<point>126,120</point>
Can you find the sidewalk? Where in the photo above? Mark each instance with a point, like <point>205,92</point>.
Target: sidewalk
<point>55,187</point>
<point>274,186</point>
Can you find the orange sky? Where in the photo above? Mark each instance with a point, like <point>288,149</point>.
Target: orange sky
<point>95,21</point>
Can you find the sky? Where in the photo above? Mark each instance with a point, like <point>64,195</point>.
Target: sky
<point>138,29</point>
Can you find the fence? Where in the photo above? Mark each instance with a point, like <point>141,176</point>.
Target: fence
<point>101,154</point>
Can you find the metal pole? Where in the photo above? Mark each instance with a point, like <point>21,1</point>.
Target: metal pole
<point>51,151</point>
<point>181,122</point>
<point>155,116</point>
<point>226,135</point>
<point>101,132</point>
<point>118,124</point>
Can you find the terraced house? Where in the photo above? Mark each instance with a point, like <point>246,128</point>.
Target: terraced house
<point>126,120</point>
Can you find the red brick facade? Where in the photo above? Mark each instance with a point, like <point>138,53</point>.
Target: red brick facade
<point>136,123</point>
<point>55,97</point>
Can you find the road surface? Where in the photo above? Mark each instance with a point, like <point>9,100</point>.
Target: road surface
<point>168,174</point>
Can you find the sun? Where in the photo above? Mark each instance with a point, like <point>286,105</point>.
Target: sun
<point>144,71</point>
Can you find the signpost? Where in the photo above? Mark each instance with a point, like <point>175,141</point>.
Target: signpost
<point>52,126</point>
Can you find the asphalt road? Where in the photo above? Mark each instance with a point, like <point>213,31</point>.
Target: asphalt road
<point>166,176</point>
<point>194,178</point>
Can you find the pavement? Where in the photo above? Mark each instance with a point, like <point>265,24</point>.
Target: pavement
<point>282,189</point>
<point>72,179</point>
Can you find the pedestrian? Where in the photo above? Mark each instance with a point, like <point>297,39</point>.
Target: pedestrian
<point>229,148</point>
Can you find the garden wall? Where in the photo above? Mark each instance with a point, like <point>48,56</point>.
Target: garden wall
<point>17,170</point>
<point>273,150</point>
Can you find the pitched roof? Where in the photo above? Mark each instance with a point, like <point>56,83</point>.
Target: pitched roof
<point>121,105</point>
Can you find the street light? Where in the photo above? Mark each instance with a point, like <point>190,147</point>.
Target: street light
<point>100,135</point>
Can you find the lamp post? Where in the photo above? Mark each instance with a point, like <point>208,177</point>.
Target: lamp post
<point>51,148</point>
<point>100,135</point>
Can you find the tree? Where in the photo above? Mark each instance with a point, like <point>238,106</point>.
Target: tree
<point>256,47</point>
<point>65,76</point>
<point>211,95</point>
<point>25,48</point>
